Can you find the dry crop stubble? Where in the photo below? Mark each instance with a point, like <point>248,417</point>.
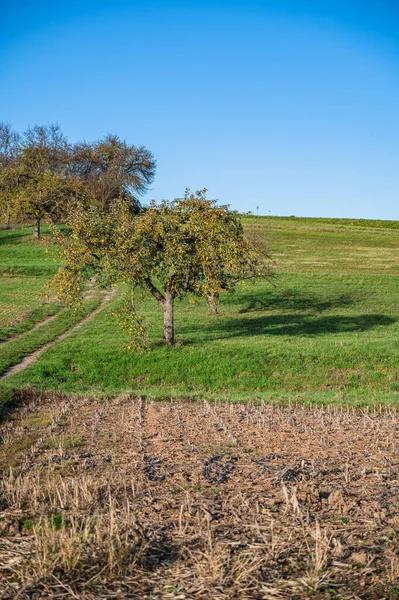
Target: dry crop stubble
<point>181,500</point>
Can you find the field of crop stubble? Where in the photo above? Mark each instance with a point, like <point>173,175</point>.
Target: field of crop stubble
<point>127,498</point>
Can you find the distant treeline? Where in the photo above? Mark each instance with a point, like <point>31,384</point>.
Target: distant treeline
<point>41,172</point>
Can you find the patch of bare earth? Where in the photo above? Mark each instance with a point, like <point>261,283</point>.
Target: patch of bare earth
<point>132,499</point>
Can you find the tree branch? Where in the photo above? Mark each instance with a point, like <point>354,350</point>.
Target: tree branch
<point>154,291</point>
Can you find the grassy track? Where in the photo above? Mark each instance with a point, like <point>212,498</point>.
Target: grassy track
<point>28,320</point>
<point>20,295</point>
<point>15,350</point>
<point>328,332</point>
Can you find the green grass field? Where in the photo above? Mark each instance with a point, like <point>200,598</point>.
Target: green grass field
<point>24,271</point>
<point>328,331</point>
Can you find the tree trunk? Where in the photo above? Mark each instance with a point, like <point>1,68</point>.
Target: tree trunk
<point>168,321</point>
<point>166,301</point>
<point>37,229</point>
<point>8,222</point>
<point>213,306</point>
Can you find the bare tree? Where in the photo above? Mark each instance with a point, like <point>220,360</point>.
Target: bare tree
<point>111,168</point>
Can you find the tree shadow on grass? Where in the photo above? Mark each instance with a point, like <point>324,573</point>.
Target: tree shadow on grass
<point>12,237</point>
<point>289,325</point>
<point>292,300</point>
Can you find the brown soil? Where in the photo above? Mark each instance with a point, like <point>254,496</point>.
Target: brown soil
<point>127,498</point>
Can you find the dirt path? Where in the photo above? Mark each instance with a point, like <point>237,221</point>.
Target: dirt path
<point>31,358</point>
<point>46,321</point>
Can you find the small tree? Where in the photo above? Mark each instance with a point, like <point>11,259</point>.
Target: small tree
<point>189,245</point>
<point>35,178</point>
<point>46,194</point>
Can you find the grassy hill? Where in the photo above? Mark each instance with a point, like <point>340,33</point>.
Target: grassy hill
<point>328,331</point>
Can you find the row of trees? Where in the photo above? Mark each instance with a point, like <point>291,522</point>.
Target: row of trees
<point>42,174</point>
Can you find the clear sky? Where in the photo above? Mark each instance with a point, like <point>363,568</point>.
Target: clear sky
<point>291,106</point>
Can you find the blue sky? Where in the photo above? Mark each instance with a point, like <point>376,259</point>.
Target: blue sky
<point>291,106</point>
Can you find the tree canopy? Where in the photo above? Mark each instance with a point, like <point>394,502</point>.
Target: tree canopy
<point>110,168</point>
<point>190,245</point>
